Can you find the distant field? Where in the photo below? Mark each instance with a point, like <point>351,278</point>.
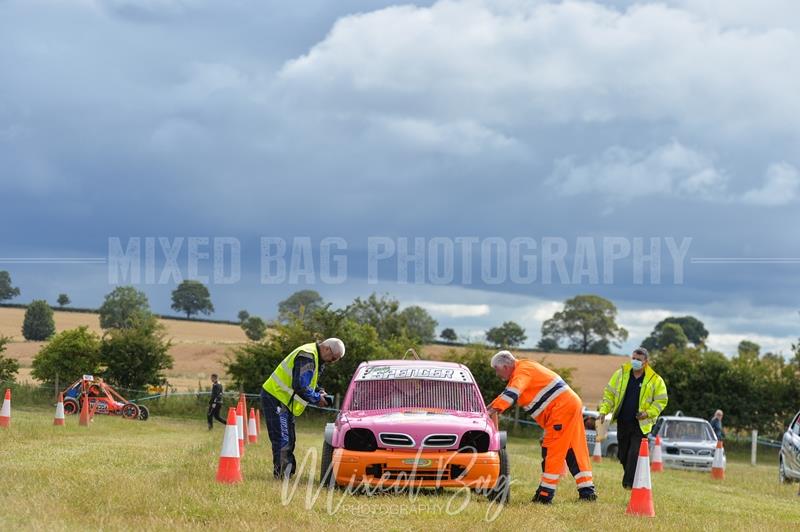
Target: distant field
<point>200,347</point>
<point>159,475</point>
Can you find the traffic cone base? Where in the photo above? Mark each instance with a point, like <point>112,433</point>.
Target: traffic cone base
<point>657,465</point>
<point>5,411</point>
<point>229,470</point>
<point>641,502</point>
<point>59,418</point>
<point>718,465</point>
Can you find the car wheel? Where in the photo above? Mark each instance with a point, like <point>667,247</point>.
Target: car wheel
<point>502,489</point>
<point>326,477</point>
<point>782,472</point>
<point>71,406</point>
<point>130,411</point>
<point>611,451</point>
<point>144,413</point>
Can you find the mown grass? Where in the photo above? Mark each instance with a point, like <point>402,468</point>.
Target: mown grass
<point>159,474</point>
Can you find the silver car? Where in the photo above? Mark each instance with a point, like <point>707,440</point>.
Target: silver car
<point>789,466</point>
<point>608,447</point>
<point>686,442</point>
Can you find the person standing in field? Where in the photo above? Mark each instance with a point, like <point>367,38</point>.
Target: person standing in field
<point>716,424</point>
<point>636,395</point>
<point>287,392</point>
<point>558,410</point>
<point>215,403</point>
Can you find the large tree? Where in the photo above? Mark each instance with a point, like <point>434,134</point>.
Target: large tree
<point>6,290</point>
<point>124,307</point>
<point>136,356</point>
<point>693,328</point>
<point>303,302</point>
<point>192,297</point>
<point>665,335</point>
<point>509,334</point>
<point>448,335</point>
<point>67,356</point>
<point>63,300</point>
<point>418,323</point>
<point>382,313</point>
<point>586,322</point>
<point>38,323</point>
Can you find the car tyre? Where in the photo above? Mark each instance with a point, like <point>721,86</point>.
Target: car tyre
<point>71,406</point>
<point>611,451</point>
<point>501,492</point>
<point>782,478</point>
<point>326,477</point>
<point>130,411</point>
<point>144,413</point>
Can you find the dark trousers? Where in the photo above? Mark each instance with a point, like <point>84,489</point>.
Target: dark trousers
<point>629,438</point>
<point>213,413</point>
<point>280,427</point>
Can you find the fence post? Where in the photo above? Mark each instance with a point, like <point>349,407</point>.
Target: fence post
<point>338,401</point>
<point>754,448</point>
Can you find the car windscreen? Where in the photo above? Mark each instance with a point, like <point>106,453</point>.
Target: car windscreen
<point>686,431</point>
<point>389,394</point>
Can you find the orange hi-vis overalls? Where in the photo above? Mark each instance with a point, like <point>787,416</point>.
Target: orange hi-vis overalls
<point>558,410</point>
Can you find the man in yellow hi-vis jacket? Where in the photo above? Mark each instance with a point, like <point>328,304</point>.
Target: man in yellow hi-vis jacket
<point>636,395</point>
<point>286,392</point>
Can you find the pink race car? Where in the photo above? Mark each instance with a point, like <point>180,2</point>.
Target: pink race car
<point>415,423</point>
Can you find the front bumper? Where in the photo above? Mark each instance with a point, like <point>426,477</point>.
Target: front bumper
<point>689,462</point>
<point>427,469</point>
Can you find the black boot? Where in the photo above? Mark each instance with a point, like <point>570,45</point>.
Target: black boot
<point>544,495</point>
<point>587,494</point>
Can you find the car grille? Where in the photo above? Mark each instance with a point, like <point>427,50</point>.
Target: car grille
<point>396,439</point>
<point>451,472</point>
<point>415,393</point>
<point>440,440</point>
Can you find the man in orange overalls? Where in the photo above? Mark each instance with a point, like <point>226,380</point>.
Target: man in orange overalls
<point>558,410</point>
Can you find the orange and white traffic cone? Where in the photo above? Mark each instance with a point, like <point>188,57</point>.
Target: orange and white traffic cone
<point>641,502</point>
<point>230,467</point>
<point>597,453</point>
<point>59,419</point>
<point>243,400</point>
<point>85,415</point>
<point>657,465</point>
<point>240,428</point>
<point>5,411</point>
<point>718,465</point>
<point>252,434</point>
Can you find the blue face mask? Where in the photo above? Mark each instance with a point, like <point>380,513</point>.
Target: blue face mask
<point>636,364</point>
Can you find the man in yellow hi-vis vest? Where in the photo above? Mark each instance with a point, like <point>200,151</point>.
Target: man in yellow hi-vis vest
<point>286,392</point>
<point>636,395</point>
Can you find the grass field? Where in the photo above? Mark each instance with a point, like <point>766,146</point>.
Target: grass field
<point>199,349</point>
<point>159,474</point>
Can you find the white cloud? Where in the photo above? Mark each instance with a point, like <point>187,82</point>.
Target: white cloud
<point>669,170</point>
<point>505,64</point>
<point>781,186</point>
<point>454,310</point>
<point>627,174</point>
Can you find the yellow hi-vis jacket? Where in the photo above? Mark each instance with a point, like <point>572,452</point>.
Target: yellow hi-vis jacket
<point>652,395</point>
<point>279,384</point>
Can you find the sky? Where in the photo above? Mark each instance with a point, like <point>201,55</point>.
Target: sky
<point>565,144</point>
